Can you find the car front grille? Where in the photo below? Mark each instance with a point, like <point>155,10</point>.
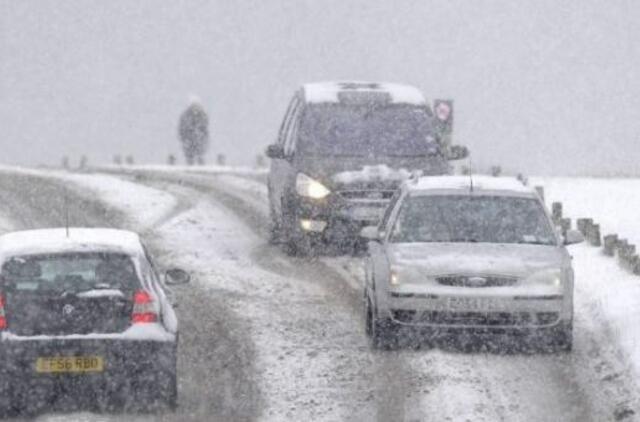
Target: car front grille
<point>475,318</point>
<point>476,281</point>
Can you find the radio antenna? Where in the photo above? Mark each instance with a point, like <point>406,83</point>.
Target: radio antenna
<point>66,211</point>
<point>470,176</point>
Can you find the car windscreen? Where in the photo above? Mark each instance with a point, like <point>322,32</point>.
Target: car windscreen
<point>367,130</point>
<point>73,272</point>
<point>469,218</point>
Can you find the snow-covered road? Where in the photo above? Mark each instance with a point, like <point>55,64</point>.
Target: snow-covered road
<point>269,337</point>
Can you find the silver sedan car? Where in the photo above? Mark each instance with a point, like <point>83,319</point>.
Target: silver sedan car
<point>459,254</point>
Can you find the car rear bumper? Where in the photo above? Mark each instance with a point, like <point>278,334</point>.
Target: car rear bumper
<point>124,360</point>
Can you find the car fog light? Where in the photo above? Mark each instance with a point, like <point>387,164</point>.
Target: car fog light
<point>313,225</point>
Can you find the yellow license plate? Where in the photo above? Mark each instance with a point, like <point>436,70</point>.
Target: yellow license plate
<point>74,364</point>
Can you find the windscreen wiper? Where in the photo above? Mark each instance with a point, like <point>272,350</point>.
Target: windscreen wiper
<point>99,286</point>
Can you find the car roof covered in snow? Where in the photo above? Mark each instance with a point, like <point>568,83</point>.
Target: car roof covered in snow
<point>463,184</point>
<point>51,241</point>
<point>360,91</point>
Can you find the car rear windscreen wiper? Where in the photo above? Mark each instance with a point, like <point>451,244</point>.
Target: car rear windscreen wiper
<point>98,286</point>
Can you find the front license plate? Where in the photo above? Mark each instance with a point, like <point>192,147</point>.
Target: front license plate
<point>58,364</point>
<point>472,304</point>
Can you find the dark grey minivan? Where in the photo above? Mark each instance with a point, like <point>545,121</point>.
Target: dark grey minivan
<point>342,151</point>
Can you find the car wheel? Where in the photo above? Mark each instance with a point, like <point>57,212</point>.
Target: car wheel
<point>167,382</point>
<point>300,246</point>
<point>383,333</point>
<point>562,338</point>
<point>296,243</point>
<point>6,405</point>
<point>368,318</point>
<point>275,231</point>
<point>169,390</point>
<point>153,389</point>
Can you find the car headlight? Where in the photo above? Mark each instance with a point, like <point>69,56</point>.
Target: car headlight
<point>408,275</point>
<point>551,277</point>
<point>306,186</point>
<point>394,278</point>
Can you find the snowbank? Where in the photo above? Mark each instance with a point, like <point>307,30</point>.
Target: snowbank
<point>145,205</point>
<point>604,291</point>
<point>612,203</point>
<point>208,169</point>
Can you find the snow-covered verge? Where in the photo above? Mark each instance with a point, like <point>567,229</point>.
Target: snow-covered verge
<point>146,207</point>
<point>613,203</point>
<point>611,293</point>
<point>206,169</point>
<point>5,225</point>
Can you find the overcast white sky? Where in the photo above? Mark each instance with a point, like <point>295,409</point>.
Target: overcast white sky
<point>540,86</point>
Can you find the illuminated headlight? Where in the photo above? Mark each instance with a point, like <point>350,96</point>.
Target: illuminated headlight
<point>546,278</point>
<point>394,279</point>
<point>306,186</point>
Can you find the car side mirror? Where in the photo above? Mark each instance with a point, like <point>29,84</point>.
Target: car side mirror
<point>371,233</point>
<point>457,152</point>
<point>572,237</point>
<point>275,152</point>
<point>176,276</point>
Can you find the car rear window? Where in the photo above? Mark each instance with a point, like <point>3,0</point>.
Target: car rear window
<point>74,273</point>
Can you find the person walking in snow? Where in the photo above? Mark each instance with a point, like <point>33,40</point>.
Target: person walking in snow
<point>193,131</point>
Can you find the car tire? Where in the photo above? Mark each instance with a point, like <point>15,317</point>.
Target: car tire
<point>275,230</point>
<point>296,243</point>
<point>6,403</point>
<point>167,383</point>
<point>562,338</point>
<point>152,390</point>
<point>170,391</point>
<point>368,317</point>
<point>299,246</point>
<point>383,333</point>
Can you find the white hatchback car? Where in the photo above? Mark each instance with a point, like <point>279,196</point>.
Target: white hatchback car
<point>477,254</point>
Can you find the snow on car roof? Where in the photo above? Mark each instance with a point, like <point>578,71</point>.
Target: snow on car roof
<point>327,92</point>
<point>480,183</point>
<point>44,241</point>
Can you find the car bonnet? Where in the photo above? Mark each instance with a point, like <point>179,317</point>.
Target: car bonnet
<point>476,258</point>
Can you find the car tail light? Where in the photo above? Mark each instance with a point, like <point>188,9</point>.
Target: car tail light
<point>3,317</point>
<point>143,308</point>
